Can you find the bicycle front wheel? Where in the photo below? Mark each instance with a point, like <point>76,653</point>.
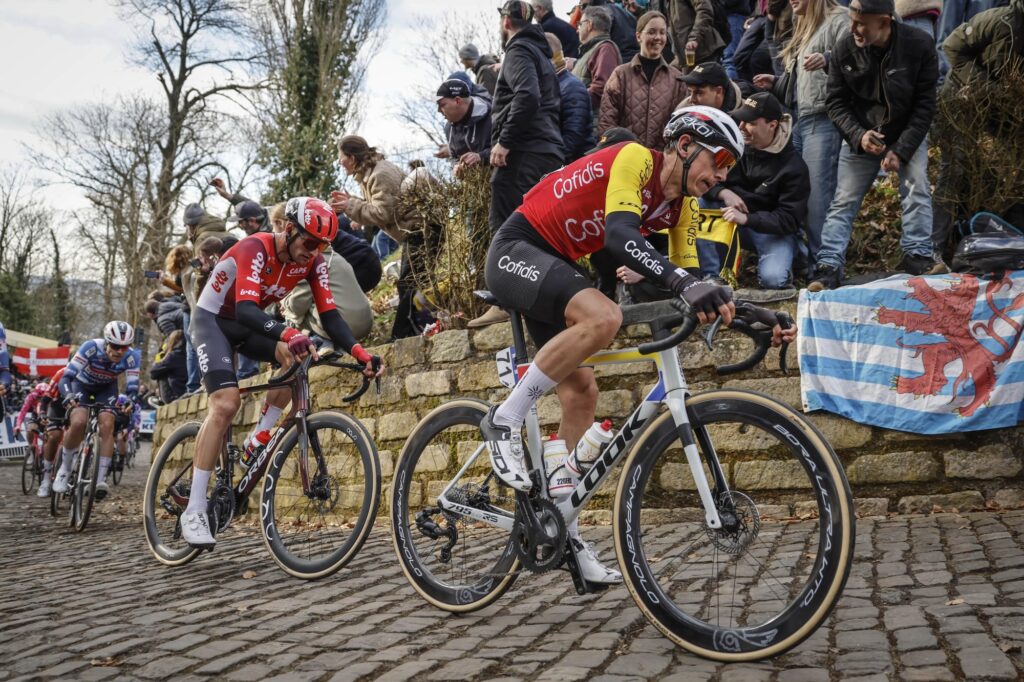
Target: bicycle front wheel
<point>166,497</point>
<point>117,468</point>
<point>56,498</point>
<point>28,471</point>
<point>317,514</point>
<point>455,562</point>
<point>769,577</point>
<point>84,494</point>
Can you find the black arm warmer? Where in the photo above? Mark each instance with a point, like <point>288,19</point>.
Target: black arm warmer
<point>249,314</point>
<point>336,327</point>
<point>623,240</point>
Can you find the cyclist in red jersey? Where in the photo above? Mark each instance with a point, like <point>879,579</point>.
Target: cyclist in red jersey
<point>257,271</point>
<point>611,200</point>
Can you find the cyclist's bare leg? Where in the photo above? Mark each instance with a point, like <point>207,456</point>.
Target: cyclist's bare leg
<point>75,432</point>
<point>50,446</point>
<point>222,406</point>
<point>577,394</point>
<point>106,429</point>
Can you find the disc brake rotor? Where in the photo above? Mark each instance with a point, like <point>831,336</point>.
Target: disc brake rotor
<point>735,537</point>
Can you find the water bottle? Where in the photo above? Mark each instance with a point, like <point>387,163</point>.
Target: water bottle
<point>560,480</point>
<point>587,450</point>
<point>253,446</point>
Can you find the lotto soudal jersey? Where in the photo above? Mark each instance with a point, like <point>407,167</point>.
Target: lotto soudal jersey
<point>91,367</point>
<point>568,207</point>
<point>251,271</point>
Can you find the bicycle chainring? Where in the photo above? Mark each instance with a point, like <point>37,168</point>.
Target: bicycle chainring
<point>222,506</point>
<point>540,548</point>
<point>744,526</point>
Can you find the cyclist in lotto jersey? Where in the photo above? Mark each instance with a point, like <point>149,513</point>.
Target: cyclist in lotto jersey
<point>91,379</point>
<point>611,200</point>
<point>228,317</point>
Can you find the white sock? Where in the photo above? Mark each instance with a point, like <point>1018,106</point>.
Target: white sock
<point>104,468</point>
<point>531,387</point>
<point>268,417</point>
<point>47,466</point>
<point>67,459</point>
<point>197,496</point>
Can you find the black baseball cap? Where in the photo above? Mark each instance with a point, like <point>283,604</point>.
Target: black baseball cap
<point>614,136</point>
<point>873,7</point>
<point>707,73</point>
<point>759,105</point>
<point>453,87</point>
<point>516,8</point>
<point>247,210</point>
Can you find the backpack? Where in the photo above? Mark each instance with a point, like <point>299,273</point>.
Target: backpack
<point>993,246</point>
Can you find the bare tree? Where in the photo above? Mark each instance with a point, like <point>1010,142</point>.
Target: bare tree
<point>437,57</point>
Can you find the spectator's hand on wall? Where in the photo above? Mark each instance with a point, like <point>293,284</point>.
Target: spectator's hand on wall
<point>732,200</point>
<point>891,162</point>
<point>443,152</point>
<point>734,215</point>
<point>499,156</point>
<point>628,276</point>
<point>339,201</point>
<point>814,61</point>
<point>764,81</point>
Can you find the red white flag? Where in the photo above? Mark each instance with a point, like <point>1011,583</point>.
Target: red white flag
<point>42,362</point>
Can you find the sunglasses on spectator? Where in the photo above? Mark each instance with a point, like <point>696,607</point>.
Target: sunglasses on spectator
<point>724,159</point>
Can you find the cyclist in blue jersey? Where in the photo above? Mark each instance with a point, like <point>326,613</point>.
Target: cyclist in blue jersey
<point>91,379</point>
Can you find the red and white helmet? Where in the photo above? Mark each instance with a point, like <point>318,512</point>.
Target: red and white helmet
<point>313,216</point>
<point>42,387</point>
<point>119,333</point>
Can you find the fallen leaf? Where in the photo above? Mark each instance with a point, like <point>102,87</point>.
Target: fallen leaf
<point>106,661</point>
<point>249,575</point>
<point>955,602</point>
<point>1008,647</point>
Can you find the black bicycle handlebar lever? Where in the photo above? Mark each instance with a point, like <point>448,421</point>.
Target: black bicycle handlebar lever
<point>688,326</point>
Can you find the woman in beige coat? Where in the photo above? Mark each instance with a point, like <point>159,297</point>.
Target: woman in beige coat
<point>380,182</point>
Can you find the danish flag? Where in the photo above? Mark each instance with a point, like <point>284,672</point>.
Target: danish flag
<point>43,362</point>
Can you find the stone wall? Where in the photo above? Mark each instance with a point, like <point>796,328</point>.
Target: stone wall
<point>889,471</point>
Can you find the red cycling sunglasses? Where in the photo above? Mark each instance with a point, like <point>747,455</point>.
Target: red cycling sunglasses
<point>311,244</point>
<point>723,157</point>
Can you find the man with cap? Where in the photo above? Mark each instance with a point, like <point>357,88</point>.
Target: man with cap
<point>881,97</point>
<point>710,86</point>
<point>544,15</point>
<point>480,65</point>
<point>599,55</point>
<point>249,215</point>
<point>468,124</point>
<point>526,136</point>
<point>765,194</point>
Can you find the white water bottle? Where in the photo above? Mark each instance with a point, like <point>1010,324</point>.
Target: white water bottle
<point>560,480</point>
<point>587,450</point>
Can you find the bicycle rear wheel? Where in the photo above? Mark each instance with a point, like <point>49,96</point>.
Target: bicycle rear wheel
<point>117,468</point>
<point>765,581</point>
<point>166,496</point>
<point>312,531</point>
<point>55,497</point>
<point>84,492</point>
<point>455,562</point>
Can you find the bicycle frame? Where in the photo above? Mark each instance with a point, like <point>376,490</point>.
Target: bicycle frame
<point>671,390</point>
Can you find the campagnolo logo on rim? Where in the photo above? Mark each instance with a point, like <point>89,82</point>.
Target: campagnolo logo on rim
<point>519,268</point>
<point>580,177</point>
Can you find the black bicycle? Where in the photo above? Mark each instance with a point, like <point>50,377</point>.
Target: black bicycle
<point>85,471</point>
<point>320,493</point>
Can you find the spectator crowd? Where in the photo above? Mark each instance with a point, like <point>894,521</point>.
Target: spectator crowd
<point>830,97</point>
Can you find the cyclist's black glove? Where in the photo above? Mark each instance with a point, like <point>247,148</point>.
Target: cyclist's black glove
<point>71,398</point>
<point>705,297</point>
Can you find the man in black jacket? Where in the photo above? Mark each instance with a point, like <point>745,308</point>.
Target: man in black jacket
<point>765,194</point>
<point>563,30</point>
<point>881,97</point>
<point>527,136</point>
<point>468,127</point>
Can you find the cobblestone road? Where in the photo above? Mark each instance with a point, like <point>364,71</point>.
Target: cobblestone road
<point>930,598</point>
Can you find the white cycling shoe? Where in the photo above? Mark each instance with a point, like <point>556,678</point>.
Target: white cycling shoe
<point>505,448</point>
<point>591,568</point>
<point>102,489</point>
<point>195,529</point>
<point>60,483</point>
<point>44,488</point>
